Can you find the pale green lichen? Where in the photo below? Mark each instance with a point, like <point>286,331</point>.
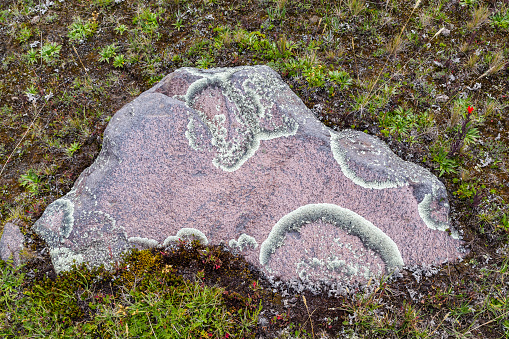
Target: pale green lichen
<point>187,234</point>
<point>340,155</point>
<point>232,153</point>
<point>352,223</point>
<point>244,241</point>
<point>144,242</point>
<point>335,264</point>
<point>424,209</point>
<point>191,136</point>
<point>53,238</point>
<point>63,258</point>
<point>384,160</point>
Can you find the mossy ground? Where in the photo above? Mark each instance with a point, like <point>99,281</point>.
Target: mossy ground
<point>405,72</point>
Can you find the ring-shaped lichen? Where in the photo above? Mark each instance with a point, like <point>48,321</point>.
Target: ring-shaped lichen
<point>231,154</point>
<point>352,223</point>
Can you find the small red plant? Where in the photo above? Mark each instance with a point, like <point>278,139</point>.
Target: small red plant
<point>460,137</point>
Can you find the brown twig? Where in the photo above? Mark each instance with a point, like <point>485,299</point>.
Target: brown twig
<point>309,315</point>
<point>486,323</point>
<point>80,60</point>
<point>446,316</point>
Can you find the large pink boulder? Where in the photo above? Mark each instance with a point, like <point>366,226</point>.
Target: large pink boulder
<point>233,156</point>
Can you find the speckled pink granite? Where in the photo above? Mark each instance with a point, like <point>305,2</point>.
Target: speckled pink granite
<point>234,156</point>
<point>11,243</point>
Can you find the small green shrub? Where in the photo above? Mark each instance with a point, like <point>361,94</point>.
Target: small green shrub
<point>398,122</point>
<point>500,20</point>
<point>81,30</point>
<point>119,61</point>
<point>276,13</point>
<point>73,148</point>
<point>445,164</point>
<point>281,49</point>
<point>468,190</point>
<point>108,52</point>
<point>31,181</point>
<point>205,61</point>
<point>315,76</point>
<point>179,23</point>
<point>50,52</point>
<point>147,20</point>
<point>24,34</point>
<point>103,3</point>
<point>32,56</point>
<point>120,29</point>
<point>341,78</point>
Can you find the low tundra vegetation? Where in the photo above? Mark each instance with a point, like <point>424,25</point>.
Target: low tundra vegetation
<point>430,78</point>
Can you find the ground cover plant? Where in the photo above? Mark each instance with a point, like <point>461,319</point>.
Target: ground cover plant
<point>431,78</point>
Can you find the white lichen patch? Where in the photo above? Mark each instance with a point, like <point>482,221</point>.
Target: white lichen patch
<point>63,258</point>
<point>191,135</point>
<point>387,170</point>
<point>187,234</point>
<point>335,264</point>
<point>425,214</point>
<point>252,102</point>
<point>244,242</point>
<point>371,236</point>
<point>332,268</point>
<point>340,154</point>
<point>144,242</point>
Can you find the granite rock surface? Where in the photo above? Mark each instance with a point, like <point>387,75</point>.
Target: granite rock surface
<point>11,243</point>
<point>233,156</point>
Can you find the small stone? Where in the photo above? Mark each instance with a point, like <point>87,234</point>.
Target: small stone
<point>35,20</point>
<point>446,32</point>
<point>11,243</point>
<point>314,19</point>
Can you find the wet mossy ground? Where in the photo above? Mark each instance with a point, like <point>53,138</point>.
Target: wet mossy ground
<point>402,71</point>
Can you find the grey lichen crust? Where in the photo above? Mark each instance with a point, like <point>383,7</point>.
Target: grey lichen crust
<point>386,170</point>
<point>63,258</point>
<point>96,244</point>
<point>253,104</point>
<point>352,223</point>
<point>425,210</point>
<point>63,207</point>
<point>186,234</point>
<point>144,242</point>
<point>334,265</point>
<point>244,241</point>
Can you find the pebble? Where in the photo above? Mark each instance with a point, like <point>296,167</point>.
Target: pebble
<point>314,19</point>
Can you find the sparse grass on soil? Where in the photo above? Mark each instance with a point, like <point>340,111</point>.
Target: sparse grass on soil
<point>405,72</point>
